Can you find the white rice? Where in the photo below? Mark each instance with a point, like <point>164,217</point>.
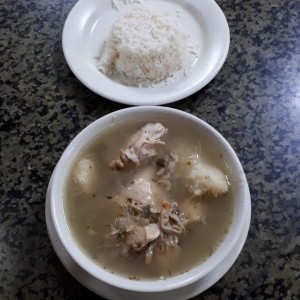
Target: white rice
<point>145,47</point>
<point>118,4</point>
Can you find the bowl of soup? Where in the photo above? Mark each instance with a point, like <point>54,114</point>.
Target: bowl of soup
<point>148,202</point>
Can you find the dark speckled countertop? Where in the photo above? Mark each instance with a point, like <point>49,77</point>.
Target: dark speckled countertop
<point>254,101</point>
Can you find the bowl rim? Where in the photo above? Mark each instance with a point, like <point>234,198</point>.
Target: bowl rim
<point>94,269</point>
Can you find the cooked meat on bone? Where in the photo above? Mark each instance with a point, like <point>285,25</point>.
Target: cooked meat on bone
<point>140,147</point>
<point>147,221</point>
<point>169,222</point>
<point>143,190</point>
<point>141,231</point>
<point>140,236</point>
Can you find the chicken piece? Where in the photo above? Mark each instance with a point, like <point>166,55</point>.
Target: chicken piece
<point>140,147</point>
<point>135,239</point>
<point>140,236</point>
<point>135,233</point>
<point>141,231</point>
<point>203,179</point>
<point>143,190</point>
<point>136,226</point>
<point>169,222</point>
<point>122,225</point>
<point>146,221</point>
<point>194,210</point>
<point>86,176</point>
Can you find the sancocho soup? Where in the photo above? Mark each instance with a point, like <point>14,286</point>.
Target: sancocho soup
<point>149,200</point>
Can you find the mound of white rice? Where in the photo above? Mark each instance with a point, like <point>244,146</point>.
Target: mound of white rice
<point>145,47</point>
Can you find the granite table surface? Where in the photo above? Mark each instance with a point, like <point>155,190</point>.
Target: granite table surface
<point>254,102</point>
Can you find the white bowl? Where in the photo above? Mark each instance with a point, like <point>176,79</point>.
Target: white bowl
<point>116,287</point>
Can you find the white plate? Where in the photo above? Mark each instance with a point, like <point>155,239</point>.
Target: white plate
<point>87,28</point>
<point>114,293</point>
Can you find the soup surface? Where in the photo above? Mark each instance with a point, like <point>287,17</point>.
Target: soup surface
<point>149,201</point>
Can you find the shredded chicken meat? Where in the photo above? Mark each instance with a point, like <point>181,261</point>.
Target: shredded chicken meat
<point>140,230</point>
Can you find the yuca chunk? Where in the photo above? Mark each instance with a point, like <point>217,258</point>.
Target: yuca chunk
<point>86,176</point>
<point>203,179</point>
<point>194,210</point>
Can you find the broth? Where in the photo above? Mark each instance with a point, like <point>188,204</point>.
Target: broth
<point>90,215</point>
